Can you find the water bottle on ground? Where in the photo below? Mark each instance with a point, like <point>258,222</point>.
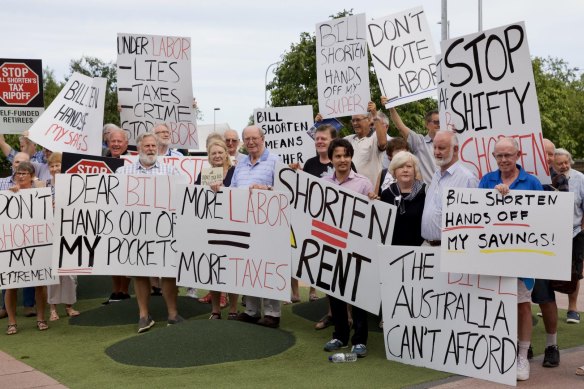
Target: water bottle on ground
<point>343,357</point>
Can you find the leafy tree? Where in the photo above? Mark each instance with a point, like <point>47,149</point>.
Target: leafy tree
<point>51,87</point>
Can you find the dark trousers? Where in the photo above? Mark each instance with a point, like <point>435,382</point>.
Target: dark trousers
<point>342,329</point>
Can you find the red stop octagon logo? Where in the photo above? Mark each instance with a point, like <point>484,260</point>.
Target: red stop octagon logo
<point>89,166</point>
<point>19,84</point>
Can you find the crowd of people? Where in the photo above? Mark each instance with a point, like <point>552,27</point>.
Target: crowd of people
<point>410,171</point>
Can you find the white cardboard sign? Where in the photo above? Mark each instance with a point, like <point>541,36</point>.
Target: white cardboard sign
<point>188,166</point>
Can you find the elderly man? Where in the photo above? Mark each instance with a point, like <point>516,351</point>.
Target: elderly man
<point>231,138</point>
<point>37,158</point>
<point>562,163</point>
<point>107,128</point>
<point>509,176</point>
<point>117,143</point>
<point>256,171</point>
<point>450,173</point>
<point>148,164</point>
<point>163,133</point>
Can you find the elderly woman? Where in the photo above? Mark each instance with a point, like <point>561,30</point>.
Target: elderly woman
<point>407,193</point>
<point>24,177</point>
<point>65,292</point>
<point>219,157</point>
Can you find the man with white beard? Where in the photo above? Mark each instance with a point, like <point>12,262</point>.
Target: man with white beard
<point>148,164</point>
<point>163,133</point>
<point>449,174</point>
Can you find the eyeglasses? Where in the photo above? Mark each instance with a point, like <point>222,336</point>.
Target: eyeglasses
<point>252,139</point>
<point>22,173</point>
<point>500,157</point>
<point>231,140</point>
<point>435,122</point>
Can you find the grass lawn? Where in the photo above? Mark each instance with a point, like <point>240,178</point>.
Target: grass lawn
<point>75,356</point>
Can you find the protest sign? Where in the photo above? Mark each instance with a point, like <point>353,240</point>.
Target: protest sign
<point>342,70</point>
<point>154,86</point>
<point>73,122</point>
<point>459,323</point>
<point>489,93</point>
<point>335,233</point>
<point>211,174</point>
<point>188,166</point>
<point>234,240</point>
<point>21,94</point>
<point>286,131</point>
<point>81,163</point>
<point>523,234</point>
<point>26,238</point>
<point>402,52</point>
<point>113,224</point>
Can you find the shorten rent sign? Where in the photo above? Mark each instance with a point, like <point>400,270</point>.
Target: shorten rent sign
<point>523,234</point>
<point>21,94</point>
<point>335,233</point>
<point>154,86</point>
<point>112,224</point>
<point>342,69</point>
<point>403,54</point>
<point>26,238</point>
<point>73,122</point>
<point>234,240</point>
<point>286,130</point>
<point>459,323</point>
<point>489,92</point>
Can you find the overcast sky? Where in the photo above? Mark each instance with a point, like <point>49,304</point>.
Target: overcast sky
<point>233,42</point>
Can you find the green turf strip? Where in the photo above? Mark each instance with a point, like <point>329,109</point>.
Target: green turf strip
<point>126,312</point>
<point>200,342</point>
<point>92,287</point>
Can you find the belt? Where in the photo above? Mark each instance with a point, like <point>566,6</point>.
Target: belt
<point>434,242</point>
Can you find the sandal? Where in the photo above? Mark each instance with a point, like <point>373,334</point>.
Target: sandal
<point>206,299</point>
<point>580,370</point>
<point>54,316</point>
<point>71,312</point>
<point>232,316</point>
<point>11,329</point>
<point>42,325</point>
<point>223,301</point>
<point>215,316</point>
<point>323,323</point>
<point>313,297</point>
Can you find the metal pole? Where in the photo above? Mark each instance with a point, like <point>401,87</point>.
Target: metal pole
<point>444,20</point>
<point>266,83</point>
<point>214,112</point>
<point>480,15</point>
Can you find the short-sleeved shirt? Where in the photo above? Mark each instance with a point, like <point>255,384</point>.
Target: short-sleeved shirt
<point>260,173</point>
<point>156,169</point>
<point>456,176</point>
<point>7,182</point>
<point>576,186</point>
<point>422,147</point>
<point>355,182</point>
<point>367,157</point>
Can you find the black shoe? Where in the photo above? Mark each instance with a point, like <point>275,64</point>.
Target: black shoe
<point>530,353</point>
<point>123,296</point>
<point>247,318</point>
<point>269,321</point>
<point>552,356</point>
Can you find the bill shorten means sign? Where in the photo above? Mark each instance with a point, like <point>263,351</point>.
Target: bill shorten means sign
<point>21,94</point>
<point>154,86</point>
<point>74,120</point>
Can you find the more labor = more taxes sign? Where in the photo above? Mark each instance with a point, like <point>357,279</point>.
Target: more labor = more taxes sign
<point>21,94</point>
<point>234,240</point>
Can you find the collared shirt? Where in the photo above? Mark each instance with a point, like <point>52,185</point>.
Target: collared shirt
<point>422,147</point>
<point>355,182</point>
<point>524,181</point>
<point>173,153</point>
<point>156,169</point>
<point>7,182</point>
<point>367,157</point>
<point>576,186</point>
<point>38,160</point>
<point>261,172</point>
<point>456,176</point>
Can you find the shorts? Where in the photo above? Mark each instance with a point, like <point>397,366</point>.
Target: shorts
<point>542,292</point>
<point>523,294</point>
<point>578,253</point>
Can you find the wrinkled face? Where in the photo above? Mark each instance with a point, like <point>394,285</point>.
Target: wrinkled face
<point>549,152</point>
<point>341,161</point>
<point>254,141</point>
<point>117,144</point>
<point>232,142</point>
<point>433,125</point>
<point>55,168</point>
<point>217,156</point>
<point>18,158</point>
<point>443,151</point>
<point>562,163</point>
<point>163,134</point>
<point>23,178</point>
<point>148,151</point>
<point>360,125</point>
<point>27,146</point>
<point>322,140</point>
<point>406,173</point>
<point>506,156</point>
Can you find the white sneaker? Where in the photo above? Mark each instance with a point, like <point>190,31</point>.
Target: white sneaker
<point>522,368</point>
<point>192,293</point>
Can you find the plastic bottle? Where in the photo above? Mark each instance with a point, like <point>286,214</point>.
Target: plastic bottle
<point>343,357</point>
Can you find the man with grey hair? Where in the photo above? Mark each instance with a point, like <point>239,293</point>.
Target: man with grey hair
<point>117,143</point>
<point>37,158</point>
<point>148,164</point>
<point>231,138</point>
<point>563,165</point>
<point>509,176</point>
<point>107,128</point>
<point>163,133</point>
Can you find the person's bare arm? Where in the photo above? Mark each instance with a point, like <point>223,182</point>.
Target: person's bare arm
<point>6,148</point>
<point>379,128</point>
<point>396,120</point>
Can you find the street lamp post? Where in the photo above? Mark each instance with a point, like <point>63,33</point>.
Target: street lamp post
<point>266,83</point>
<point>214,112</point>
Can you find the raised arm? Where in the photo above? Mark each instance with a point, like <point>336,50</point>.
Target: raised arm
<point>396,120</point>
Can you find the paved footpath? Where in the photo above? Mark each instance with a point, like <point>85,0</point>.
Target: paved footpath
<point>17,375</point>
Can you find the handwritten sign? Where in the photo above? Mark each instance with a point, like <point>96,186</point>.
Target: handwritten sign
<point>235,240</point>
<point>81,163</point>
<point>21,94</point>
<point>26,238</point>
<point>335,233</point>
<point>112,224</point>
<point>342,69</point>
<point>524,234</point>
<point>402,51</point>
<point>286,130</point>
<point>459,323</point>
<point>187,166</point>
<point>154,86</point>
<point>490,93</point>
<point>74,120</point>
<point>211,175</point>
